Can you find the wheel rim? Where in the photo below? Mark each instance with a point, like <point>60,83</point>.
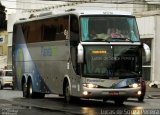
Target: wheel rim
<point>25,90</point>
<point>30,90</point>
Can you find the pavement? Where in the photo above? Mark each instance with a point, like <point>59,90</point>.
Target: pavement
<point>152,93</point>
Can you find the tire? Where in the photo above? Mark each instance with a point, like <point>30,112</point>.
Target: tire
<point>67,94</point>
<point>32,94</point>
<point>141,98</point>
<point>40,95</point>
<point>30,90</point>
<point>1,86</point>
<point>24,89</point>
<point>143,90</point>
<point>12,88</point>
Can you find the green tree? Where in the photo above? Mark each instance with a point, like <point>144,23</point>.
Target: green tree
<point>3,22</point>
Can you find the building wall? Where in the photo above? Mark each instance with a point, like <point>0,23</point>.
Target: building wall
<point>3,49</point>
<point>157,49</point>
<point>109,4</point>
<point>146,26</point>
<point>149,28</point>
<point>3,45</point>
<point>27,5</point>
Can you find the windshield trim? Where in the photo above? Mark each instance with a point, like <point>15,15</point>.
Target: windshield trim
<point>111,43</point>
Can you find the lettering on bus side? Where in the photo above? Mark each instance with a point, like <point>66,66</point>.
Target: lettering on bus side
<point>48,51</point>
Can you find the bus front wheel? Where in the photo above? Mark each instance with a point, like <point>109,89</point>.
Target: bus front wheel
<point>141,99</point>
<point>67,94</point>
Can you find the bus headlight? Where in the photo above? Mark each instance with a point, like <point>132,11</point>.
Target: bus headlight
<point>139,92</point>
<point>135,85</point>
<point>90,85</point>
<point>85,93</point>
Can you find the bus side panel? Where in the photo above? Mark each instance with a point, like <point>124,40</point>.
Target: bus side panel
<point>51,59</point>
<point>23,63</point>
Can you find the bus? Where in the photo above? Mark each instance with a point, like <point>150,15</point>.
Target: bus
<point>92,54</point>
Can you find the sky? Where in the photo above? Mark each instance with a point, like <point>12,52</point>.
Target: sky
<point>10,5</point>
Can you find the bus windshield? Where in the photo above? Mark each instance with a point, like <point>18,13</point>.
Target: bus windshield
<point>109,28</point>
<point>112,61</point>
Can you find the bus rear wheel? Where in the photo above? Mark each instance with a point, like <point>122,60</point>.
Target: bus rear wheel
<point>1,87</point>
<point>30,89</point>
<point>24,89</point>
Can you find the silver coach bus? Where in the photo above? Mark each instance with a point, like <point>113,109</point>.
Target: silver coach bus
<point>79,53</point>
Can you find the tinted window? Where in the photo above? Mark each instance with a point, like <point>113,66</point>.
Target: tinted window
<point>45,30</point>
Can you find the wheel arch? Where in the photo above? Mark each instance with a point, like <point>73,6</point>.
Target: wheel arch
<point>65,81</point>
<point>23,80</point>
<point>29,79</point>
<point>26,78</point>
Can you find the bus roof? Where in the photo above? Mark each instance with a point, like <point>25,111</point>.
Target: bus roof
<point>80,12</point>
<point>76,11</point>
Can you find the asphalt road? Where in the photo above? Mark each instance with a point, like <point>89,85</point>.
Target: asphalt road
<point>12,103</point>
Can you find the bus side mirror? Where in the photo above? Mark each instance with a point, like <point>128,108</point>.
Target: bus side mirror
<point>80,53</point>
<point>147,52</point>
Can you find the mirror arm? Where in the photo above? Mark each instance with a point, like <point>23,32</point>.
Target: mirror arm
<point>147,52</point>
<point>80,53</point>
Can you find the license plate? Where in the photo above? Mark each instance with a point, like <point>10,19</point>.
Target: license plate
<point>113,93</point>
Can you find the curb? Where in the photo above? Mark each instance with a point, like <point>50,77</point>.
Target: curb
<point>153,96</point>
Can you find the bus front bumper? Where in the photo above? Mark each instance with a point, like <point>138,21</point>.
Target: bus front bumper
<point>111,93</point>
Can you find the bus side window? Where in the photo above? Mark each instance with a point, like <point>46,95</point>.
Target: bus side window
<point>48,32</point>
<point>25,29</point>
<point>74,31</point>
<point>62,25</point>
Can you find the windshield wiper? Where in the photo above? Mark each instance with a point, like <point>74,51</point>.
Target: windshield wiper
<point>119,39</point>
<point>95,40</point>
